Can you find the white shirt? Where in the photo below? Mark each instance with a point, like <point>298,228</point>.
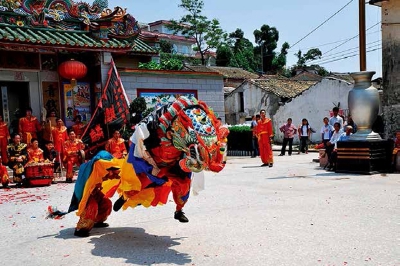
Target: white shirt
<point>335,119</point>
<point>326,130</point>
<point>335,137</point>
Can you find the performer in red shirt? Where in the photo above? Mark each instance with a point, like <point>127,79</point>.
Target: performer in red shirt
<point>4,138</point>
<point>3,174</point>
<point>116,145</point>
<point>72,147</point>
<point>35,154</point>
<point>265,134</point>
<point>29,126</point>
<point>78,127</point>
<point>60,135</point>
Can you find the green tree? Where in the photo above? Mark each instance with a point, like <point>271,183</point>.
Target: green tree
<point>311,55</point>
<point>267,39</point>
<point>166,47</point>
<point>237,52</point>
<point>279,61</point>
<point>207,33</point>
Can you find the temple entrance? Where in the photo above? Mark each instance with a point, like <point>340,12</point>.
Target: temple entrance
<point>14,101</point>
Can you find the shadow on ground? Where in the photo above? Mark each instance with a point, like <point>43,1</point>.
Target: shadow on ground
<point>134,245</point>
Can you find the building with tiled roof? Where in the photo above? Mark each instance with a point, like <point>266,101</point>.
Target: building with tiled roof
<point>307,76</point>
<point>283,98</point>
<point>37,36</point>
<point>233,76</point>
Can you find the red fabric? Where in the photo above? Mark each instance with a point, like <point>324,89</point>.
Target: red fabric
<point>116,147</point>
<point>4,137</point>
<point>264,134</point>
<point>28,125</point>
<point>60,135</point>
<point>97,210</point>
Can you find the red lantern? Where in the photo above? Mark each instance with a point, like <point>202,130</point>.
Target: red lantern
<point>72,70</point>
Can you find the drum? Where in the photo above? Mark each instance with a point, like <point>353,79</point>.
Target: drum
<point>81,156</point>
<point>39,174</point>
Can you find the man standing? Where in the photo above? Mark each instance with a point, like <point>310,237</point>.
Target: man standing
<point>288,130</point>
<point>336,118</point>
<point>116,146</point>
<point>29,126</point>
<point>72,147</point>
<point>59,136</point>
<point>254,140</point>
<point>264,135</point>
<point>78,127</point>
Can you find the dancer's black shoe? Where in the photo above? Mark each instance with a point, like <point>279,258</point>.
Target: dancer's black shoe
<point>180,216</point>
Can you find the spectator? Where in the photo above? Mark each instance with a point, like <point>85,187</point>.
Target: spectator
<point>350,122</point>
<point>254,140</point>
<point>331,146</point>
<point>304,135</point>
<point>288,130</point>
<point>326,131</point>
<point>336,117</point>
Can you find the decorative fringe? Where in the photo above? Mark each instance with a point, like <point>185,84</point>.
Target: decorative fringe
<point>53,213</point>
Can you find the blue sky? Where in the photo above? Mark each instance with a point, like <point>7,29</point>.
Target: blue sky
<point>294,19</point>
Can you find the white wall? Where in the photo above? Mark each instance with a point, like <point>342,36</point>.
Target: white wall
<point>209,88</point>
<point>254,98</point>
<point>313,104</point>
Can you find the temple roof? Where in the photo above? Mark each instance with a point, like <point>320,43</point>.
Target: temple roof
<point>11,36</point>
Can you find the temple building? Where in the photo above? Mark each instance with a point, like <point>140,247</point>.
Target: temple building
<point>55,55</point>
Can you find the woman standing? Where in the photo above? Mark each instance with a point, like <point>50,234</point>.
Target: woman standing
<point>304,135</point>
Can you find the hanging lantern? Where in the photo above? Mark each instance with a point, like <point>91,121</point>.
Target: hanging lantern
<point>72,70</point>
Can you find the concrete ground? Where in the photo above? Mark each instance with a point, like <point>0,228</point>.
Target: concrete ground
<point>294,213</point>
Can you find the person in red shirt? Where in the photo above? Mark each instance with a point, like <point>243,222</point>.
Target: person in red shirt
<point>4,138</point>
<point>59,135</point>
<point>116,145</point>
<point>35,154</point>
<point>264,134</point>
<point>29,126</point>
<point>78,127</point>
<point>3,174</point>
<point>72,147</point>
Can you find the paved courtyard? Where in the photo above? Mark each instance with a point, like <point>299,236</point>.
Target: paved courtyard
<point>292,214</point>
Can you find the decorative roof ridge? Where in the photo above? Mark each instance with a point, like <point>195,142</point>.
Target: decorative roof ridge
<point>42,29</point>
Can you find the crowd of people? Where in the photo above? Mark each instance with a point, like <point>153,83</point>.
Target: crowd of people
<point>48,142</point>
<point>334,129</point>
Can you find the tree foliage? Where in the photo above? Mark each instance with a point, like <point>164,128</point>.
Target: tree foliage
<point>267,39</point>
<point>311,54</point>
<point>166,47</point>
<point>207,33</point>
<point>237,52</point>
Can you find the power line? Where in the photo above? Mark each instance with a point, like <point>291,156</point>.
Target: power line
<point>346,57</point>
<point>351,38</point>
<point>344,52</point>
<point>326,44</point>
<point>320,25</point>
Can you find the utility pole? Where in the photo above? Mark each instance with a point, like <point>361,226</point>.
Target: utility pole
<point>362,38</point>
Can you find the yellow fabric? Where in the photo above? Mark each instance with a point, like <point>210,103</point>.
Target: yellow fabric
<point>129,180</point>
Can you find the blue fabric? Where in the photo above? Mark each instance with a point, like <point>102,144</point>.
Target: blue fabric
<point>84,173</point>
<point>141,166</point>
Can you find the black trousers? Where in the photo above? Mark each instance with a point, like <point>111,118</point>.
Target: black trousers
<point>303,144</point>
<point>285,142</point>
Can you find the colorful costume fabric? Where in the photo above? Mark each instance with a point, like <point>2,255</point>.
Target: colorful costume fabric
<point>167,146</point>
<point>4,137</point>
<point>264,135</point>
<point>4,175</point>
<point>16,152</point>
<point>71,158</point>
<point>28,127</point>
<point>35,155</point>
<point>60,135</point>
<point>116,147</point>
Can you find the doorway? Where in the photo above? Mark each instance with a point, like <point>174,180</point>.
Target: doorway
<point>14,101</point>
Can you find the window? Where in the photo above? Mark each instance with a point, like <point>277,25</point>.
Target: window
<point>241,102</point>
